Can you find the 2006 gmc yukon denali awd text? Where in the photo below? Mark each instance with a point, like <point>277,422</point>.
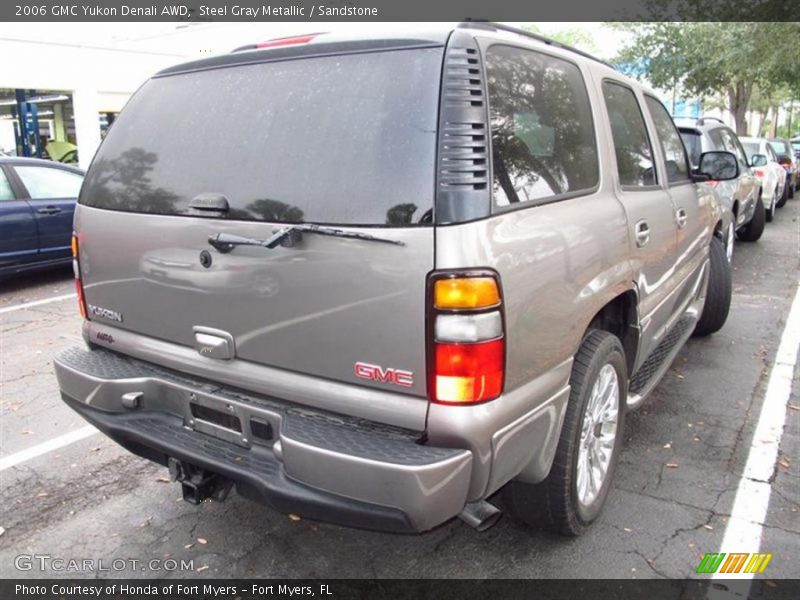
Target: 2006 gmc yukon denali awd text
<point>375,280</point>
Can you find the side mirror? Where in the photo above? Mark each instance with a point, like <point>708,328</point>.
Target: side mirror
<point>717,166</point>
<point>758,160</point>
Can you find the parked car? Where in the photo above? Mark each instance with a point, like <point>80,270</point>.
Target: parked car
<point>795,141</point>
<point>484,249</point>
<point>790,163</point>
<point>741,196</point>
<point>37,202</point>
<point>766,167</point>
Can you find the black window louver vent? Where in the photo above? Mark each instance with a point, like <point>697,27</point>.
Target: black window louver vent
<point>463,169</point>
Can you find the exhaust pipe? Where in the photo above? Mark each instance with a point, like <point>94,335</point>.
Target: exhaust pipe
<point>480,515</point>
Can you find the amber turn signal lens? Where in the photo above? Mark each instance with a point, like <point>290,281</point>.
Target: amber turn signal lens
<point>74,246</point>
<point>466,292</point>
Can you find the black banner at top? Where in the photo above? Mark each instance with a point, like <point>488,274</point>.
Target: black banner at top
<point>394,10</point>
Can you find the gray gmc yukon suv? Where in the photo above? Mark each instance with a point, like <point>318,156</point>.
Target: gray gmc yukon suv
<point>376,280</point>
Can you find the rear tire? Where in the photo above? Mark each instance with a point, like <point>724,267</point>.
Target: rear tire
<point>784,197</point>
<point>571,498</point>
<point>769,213</point>
<point>718,294</point>
<point>753,230</point>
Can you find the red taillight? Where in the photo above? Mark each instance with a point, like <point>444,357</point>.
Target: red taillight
<point>76,269</point>
<point>469,373</point>
<point>467,338</point>
<point>759,173</point>
<point>287,41</point>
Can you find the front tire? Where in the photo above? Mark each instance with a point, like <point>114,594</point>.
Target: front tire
<point>729,239</point>
<point>753,230</point>
<point>573,495</point>
<point>718,294</point>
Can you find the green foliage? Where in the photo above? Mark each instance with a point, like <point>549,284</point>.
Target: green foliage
<point>707,58</point>
<point>704,58</point>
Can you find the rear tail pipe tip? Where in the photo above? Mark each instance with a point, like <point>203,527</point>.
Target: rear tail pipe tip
<point>480,515</point>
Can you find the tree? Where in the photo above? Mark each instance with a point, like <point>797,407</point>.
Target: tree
<point>715,58</point>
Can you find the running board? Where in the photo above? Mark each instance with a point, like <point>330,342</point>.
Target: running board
<point>659,361</point>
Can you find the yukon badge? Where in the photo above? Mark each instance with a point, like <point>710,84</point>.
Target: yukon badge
<point>105,313</point>
<point>389,375</point>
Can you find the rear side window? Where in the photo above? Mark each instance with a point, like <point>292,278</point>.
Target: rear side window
<point>347,140</point>
<point>631,142</point>
<point>671,144</point>
<point>543,143</point>
<point>43,182</point>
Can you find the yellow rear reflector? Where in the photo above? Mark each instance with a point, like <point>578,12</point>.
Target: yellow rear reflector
<point>466,292</point>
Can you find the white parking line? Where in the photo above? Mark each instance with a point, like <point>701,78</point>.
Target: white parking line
<point>36,303</point>
<point>744,530</point>
<point>6,462</point>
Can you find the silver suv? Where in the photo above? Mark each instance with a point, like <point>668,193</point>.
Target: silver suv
<point>376,280</point>
<point>742,196</point>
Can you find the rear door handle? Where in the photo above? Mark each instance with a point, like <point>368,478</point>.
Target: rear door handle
<point>48,210</point>
<point>681,218</point>
<point>641,233</point>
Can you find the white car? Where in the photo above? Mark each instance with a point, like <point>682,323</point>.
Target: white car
<point>766,167</point>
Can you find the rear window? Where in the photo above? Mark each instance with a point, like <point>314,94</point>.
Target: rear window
<point>750,148</point>
<point>780,147</point>
<point>347,140</point>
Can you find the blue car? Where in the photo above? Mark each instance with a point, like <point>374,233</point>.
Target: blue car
<point>37,202</point>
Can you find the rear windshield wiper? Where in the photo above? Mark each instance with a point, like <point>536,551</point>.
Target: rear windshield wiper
<point>290,236</point>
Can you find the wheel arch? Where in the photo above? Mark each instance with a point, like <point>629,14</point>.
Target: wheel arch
<point>620,317</point>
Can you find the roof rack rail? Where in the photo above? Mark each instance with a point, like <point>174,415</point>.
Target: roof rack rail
<point>491,26</point>
<point>702,120</point>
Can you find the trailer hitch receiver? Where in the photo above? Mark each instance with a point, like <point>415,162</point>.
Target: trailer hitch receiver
<point>198,484</point>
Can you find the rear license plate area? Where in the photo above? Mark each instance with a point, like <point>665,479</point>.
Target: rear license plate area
<point>220,419</point>
<point>216,417</point>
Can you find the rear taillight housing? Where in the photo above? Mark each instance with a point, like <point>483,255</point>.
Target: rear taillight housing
<point>466,337</point>
<point>76,269</point>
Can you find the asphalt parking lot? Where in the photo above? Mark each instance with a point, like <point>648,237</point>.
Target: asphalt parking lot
<point>684,455</point>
